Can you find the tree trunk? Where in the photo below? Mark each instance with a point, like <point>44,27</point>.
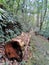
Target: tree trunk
<point>43,15</point>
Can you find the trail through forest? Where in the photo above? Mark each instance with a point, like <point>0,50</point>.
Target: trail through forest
<point>41,53</point>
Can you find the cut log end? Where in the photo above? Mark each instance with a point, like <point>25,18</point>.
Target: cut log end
<point>13,51</point>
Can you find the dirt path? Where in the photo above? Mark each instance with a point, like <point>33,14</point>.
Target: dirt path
<point>42,50</point>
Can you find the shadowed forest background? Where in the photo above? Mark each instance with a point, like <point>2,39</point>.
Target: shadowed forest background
<point>17,16</point>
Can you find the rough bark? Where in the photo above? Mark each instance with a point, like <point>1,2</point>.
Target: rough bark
<point>14,49</point>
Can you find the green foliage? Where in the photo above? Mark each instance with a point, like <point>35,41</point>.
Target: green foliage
<point>9,27</point>
<point>24,13</point>
<point>45,29</point>
<point>12,25</point>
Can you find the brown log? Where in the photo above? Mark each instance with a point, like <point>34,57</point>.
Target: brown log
<point>23,39</point>
<point>13,48</point>
<point>13,51</point>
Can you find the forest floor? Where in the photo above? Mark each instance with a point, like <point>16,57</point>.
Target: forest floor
<point>41,53</point>
<point>39,47</point>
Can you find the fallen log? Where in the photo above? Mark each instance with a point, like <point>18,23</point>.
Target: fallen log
<point>23,39</point>
<point>13,48</point>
